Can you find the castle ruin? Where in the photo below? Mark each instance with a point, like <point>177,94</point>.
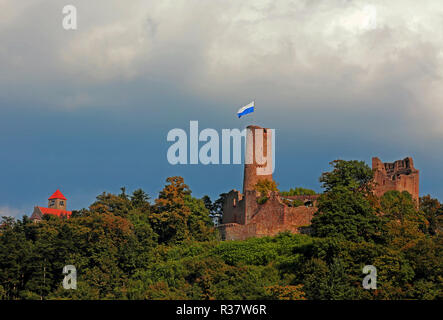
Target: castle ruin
<point>399,175</point>
<point>243,217</point>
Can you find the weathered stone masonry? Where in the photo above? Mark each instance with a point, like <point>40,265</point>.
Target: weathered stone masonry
<point>399,175</point>
<point>244,218</point>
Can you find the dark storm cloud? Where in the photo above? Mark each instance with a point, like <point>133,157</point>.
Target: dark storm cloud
<point>336,79</point>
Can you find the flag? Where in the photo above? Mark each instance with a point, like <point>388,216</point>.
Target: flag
<point>246,109</point>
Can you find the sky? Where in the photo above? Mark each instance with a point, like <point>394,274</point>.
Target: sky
<point>89,110</point>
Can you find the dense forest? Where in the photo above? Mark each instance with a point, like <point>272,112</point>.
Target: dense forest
<point>126,246</point>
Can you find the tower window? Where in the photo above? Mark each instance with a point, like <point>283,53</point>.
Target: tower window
<point>62,203</point>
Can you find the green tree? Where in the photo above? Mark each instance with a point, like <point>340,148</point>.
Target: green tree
<point>199,222</point>
<point>298,191</point>
<point>353,175</point>
<point>171,212</point>
<point>327,282</point>
<point>140,199</point>
<point>433,212</point>
<point>208,203</point>
<point>263,187</point>
<point>181,216</point>
<point>118,205</point>
<point>397,205</point>
<point>345,209</point>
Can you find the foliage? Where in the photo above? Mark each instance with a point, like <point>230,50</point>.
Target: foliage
<point>263,187</point>
<point>346,214</point>
<point>215,208</point>
<point>345,210</point>
<point>287,292</point>
<point>124,247</point>
<point>262,200</point>
<point>397,205</point>
<point>293,202</point>
<point>433,212</point>
<point>353,175</point>
<point>177,216</point>
<point>298,191</point>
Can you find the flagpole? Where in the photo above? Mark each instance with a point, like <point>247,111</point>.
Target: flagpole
<point>253,117</point>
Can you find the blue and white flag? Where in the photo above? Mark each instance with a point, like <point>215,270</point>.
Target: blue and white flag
<point>249,108</point>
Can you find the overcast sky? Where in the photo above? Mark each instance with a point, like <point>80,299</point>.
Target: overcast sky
<point>88,110</point>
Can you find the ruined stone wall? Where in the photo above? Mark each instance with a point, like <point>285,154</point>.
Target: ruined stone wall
<point>251,205</point>
<point>399,175</point>
<point>234,208</point>
<point>234,231</point>
<point>269,215</point>
<point>299,216</point>
<point>268,219</point>
<point>244,218</point>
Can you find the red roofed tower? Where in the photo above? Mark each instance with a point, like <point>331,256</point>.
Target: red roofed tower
<point>57,201</point>
<point>56,207</point>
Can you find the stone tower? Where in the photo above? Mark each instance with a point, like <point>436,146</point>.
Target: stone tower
<point>258,156</point>
<point>243,215</point>
<point>399,175</point>
<point>57,201</point>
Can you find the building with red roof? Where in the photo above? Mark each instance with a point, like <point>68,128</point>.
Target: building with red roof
<point>56,207</point>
